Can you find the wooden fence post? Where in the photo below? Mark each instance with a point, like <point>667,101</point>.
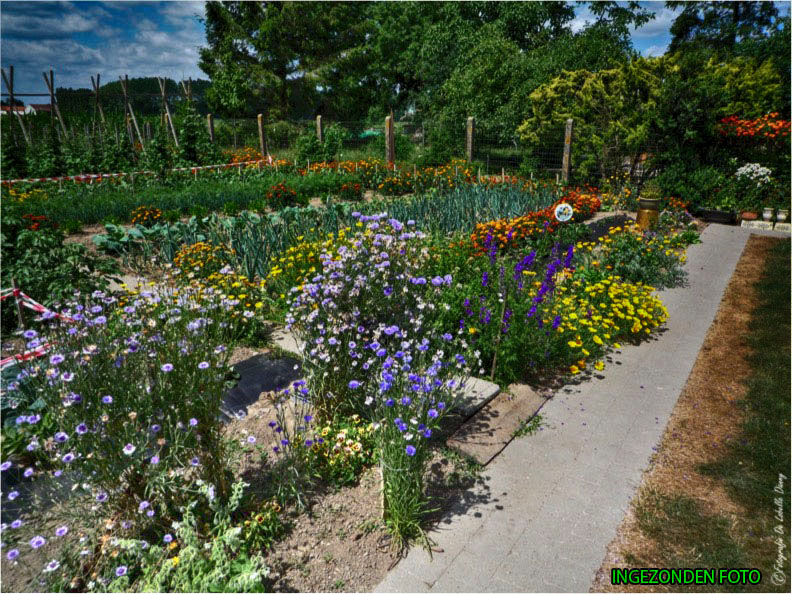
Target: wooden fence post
<point>210,126</point>
<point>260,119</point>
<point>471,123</point>
<point>319,129</point>
<point>566,164</point>
<point>390,145</point>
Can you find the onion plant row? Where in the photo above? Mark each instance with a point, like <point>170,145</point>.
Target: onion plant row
<point>257,240</point>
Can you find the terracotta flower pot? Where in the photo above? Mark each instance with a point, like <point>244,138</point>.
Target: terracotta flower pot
<point>750,215</point>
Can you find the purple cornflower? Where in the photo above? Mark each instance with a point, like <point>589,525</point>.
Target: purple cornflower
<point>155,428</point>
<point>168,538</point>
<point>485,279</point>
<point>406,401</point>
<point>121,570</point>
<point>203,365</point>
<point>61,531</point>
<point>107,399</point>
<point>154,459</point>
<point>16,524</point>
<point>167,368</point>
<point>52,566</point>
<point>432,413</point>
<point>391,330</point>
<point>37,541</point>
<point>57,359</point>
<point>129,449</point>
<point>410,450</point>
<point>354,384</point>
<point>68,457</point>
<point>101,497</point>
<point>13,495</point>
<point>12,554</point>
<point>28,472</point>
<point>67,377</point>
<point>251,439</point>
<point>6,465</point>
<point>194,461</point>
<point>193,422</point>
<point>556,322</point>
<point>81,429</point>
<point>30,334</point>
<point>61,437</point>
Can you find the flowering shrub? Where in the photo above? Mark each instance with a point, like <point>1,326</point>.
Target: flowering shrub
<point>202,259</point>
<point>637,256</point>
<point>301,261</point>
<point>755,173</point>
<point>351,191</point>
<point>514,232</point>
<point>365,321</point>
<point>280,196</point>
<point>369,293</point>
<point>146,216</point>
<point>115,382</point>
<point>769,126</point>
<point>192,556</point>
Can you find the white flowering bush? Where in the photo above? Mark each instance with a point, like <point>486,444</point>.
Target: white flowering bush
<point>754,172</point>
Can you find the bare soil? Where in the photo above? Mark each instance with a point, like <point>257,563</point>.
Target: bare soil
<point>704,422</point>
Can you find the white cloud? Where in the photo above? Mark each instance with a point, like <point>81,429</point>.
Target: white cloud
<point>655,50</point>
<point>657,27</point>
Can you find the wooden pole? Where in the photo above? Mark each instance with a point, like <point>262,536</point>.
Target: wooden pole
<point>567,161</point>
<point>167,110</point>
<point>471,124</point>
<point>390,146</point>
<point>260,119</point>
<point>128,108</point>
<point>53,104</point>
<point>98,105</point>
<point>319,130</point>
<point>210,126</point>
<point>10,84</point>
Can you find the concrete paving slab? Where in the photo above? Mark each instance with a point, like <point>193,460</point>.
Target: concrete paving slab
<point>620,417</point>
<point>478,392</point>
<point>487,432</point>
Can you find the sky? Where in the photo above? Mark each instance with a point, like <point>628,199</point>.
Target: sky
<point>80,39</point>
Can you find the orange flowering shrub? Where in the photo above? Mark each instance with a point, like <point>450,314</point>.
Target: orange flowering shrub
<point>512,232</point>
<point>146,216</point>
<point>768,126</point>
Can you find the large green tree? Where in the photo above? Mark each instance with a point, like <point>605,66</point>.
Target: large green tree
<point>720,25</point>
<point>349,60</point>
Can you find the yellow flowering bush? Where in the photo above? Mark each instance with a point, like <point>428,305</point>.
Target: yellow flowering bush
<point>301,261</point>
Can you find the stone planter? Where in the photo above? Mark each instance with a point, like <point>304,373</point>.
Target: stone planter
<point>782,214</point>
<point>725,217</point>
<point>767,214</point>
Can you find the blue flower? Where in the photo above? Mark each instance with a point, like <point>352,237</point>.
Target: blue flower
<point>410,450</point>
<point>354,384</point>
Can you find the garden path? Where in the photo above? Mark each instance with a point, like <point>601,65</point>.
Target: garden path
<point>556,498</point>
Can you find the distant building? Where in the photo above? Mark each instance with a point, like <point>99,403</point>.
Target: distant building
<point>41,107</point>
<point>32,109</point>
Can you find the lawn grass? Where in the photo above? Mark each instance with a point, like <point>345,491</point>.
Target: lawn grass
<point>689,533</point>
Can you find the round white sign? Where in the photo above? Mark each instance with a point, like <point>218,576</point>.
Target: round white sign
<point>563,212</point>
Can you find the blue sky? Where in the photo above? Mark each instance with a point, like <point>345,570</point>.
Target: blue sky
<point>78,39</point>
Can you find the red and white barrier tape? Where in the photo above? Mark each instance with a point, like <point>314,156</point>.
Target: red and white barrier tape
<point>34,305</point>
<point>92,176</point>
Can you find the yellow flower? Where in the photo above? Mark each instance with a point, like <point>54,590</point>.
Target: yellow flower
<point>574,369</point>
<point>175,560</point>
<point>472,330</point>
<point>599,365</point>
